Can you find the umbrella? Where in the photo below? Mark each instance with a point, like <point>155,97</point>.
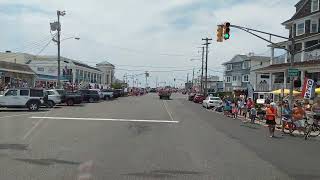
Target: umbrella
<point>286,91</point>
<point>318,90</point>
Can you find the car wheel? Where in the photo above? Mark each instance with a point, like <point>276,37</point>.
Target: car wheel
<point>91,100</point>
<point>33,106</point>
<point>50,104</point>
<point>70,102</point>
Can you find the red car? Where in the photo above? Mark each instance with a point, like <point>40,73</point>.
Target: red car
<point>198,98</point>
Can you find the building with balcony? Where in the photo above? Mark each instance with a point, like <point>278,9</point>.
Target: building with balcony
<point>239,75</point>
<point>304,27</point>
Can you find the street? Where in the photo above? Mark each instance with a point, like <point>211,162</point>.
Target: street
<point>146,138</point>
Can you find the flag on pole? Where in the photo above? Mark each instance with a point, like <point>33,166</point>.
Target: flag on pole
<point>308,91</point>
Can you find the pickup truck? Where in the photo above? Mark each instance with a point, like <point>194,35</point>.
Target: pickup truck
<point>107,94</point>
<point>164,93</point>
<point>70,98</point>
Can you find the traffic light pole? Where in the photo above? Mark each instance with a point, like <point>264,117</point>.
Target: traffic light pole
<point>58,43</point>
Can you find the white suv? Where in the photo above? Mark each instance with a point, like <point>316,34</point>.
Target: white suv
<point>53,98</point>
<point>28,98</point>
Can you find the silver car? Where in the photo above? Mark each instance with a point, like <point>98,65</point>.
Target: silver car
<point>53,97</point>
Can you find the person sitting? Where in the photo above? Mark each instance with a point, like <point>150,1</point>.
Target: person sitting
<point>298,115</point>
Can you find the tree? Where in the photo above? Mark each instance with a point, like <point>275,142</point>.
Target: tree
<point>116,86</point>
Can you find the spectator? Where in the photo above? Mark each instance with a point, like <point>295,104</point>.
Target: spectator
<point>286,117</point>
<point>249,105</point>
<point>253,114</point>
<point>271,119</point>
<point>235,111</point>
<point>298,115</point>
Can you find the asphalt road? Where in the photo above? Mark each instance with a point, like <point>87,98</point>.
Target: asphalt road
<point>147,138</point>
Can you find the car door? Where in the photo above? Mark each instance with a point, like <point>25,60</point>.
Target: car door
<point>205,102</point>
<point>23,97</point>
<point>11,98</point>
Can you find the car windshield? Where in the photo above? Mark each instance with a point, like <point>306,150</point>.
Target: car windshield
<point>159,89</point>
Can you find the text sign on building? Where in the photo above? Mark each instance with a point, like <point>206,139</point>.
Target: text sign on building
<point>293,72</point>
<point>308,89</point>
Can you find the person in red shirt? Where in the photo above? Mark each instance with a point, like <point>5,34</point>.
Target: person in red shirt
<point>249,106</point>
<point>271,113</point>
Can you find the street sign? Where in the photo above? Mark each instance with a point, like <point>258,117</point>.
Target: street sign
<point>293,72</point>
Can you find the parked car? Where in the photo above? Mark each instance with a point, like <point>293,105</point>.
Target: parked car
<point>53,98</point>
<point>191,96</point>
<point>211,101</point>
<point>107,94</point>
<point>25,98</point>
<point>99,92</point>
<point>90,95</point>
<point>116,93</point>
<point>70,98</point>
<point>198,98</point>
<point>153,90</point>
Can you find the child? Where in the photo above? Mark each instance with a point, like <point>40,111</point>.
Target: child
<point>235,111</point>
<point>253,114</point>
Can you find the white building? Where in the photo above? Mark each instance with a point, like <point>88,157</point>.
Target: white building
<point>76,72</point>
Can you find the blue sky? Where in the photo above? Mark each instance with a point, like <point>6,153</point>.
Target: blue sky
<point>157,33</point>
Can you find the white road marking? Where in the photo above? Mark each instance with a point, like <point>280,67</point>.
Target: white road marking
<point>16,115</point>
<point>165,105</point>
<point>32,129</point>
<point>102,119</point>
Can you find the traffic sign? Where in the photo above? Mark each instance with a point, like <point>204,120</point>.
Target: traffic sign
<point>293,72</point>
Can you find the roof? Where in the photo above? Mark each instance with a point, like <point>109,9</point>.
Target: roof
<point>303,11</point>
<point>105,63</point>
<point>85,65</point>
<point>241,58</point>
<point>14,67</point>
<point>304,64</point>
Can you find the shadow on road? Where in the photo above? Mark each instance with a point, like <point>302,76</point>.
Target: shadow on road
<point>47,162</point>
<point>22,110</point>
<point>163,173</point>
<point>139,129</point>
<point>21,147</point>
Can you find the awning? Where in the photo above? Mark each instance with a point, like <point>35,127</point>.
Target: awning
<point>45,77</point>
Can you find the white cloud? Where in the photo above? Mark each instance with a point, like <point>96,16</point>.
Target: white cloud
<point>144,25</point>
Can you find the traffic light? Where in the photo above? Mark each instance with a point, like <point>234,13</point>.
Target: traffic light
<point>220,33</point>
<point>226,30</point>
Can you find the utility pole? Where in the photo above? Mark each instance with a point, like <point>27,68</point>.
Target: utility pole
<point>157,82</point>
<point>192,76</point>
<point>292,52</point>
<point>188,78</point>
<point>206,79</point>
<point>59,13</point>
<point>201,82</point>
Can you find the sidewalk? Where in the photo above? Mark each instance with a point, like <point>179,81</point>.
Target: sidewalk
<point>259,122</point>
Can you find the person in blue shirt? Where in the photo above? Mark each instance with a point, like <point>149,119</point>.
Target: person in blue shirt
<point>286,117</point>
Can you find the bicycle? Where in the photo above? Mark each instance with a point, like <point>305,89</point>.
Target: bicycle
<point>312,130</point>
<point>293,126</point>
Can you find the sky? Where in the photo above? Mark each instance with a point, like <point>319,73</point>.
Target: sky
<point>158,36</point>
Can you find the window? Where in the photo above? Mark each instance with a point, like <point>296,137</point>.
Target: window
<point>245,65</point>
<point>228,79</point>
<point>314,5</point>
<point>300,29</point>
<point>50,92</point>
<point>314,26</point>
<point>229,67</point>
<point>40,69</point>
<point>234,78</point>
<point>264,76</point>
<point>12,93</point>
<point>245,78</point>
<point>24,92</point>
<point>36,93</point>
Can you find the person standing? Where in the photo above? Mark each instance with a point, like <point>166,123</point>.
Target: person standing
<point>271,119</point>
<point>253,115</point>
<point>286,117</point>
<point>249,105</point>
<point>316,112</point>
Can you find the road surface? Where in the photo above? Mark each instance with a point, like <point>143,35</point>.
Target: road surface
<point>147,138</point>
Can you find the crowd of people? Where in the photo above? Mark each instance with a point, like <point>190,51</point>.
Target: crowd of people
<point>273,113</point>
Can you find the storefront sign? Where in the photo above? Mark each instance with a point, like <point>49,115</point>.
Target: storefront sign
<point>293,72</point>
<point>308,90</point>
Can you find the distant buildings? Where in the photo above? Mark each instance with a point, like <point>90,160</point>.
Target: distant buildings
<point>72,71</point>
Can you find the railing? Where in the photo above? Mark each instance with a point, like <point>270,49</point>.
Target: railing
<point>262,87</point>
<point>312,55</point>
